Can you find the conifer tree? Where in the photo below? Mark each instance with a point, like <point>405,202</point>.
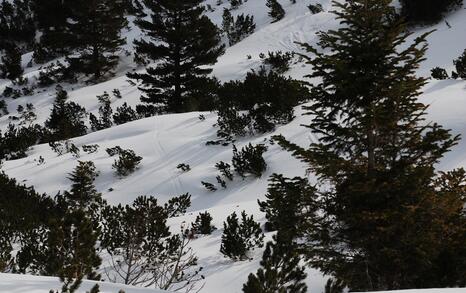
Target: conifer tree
<point>66,119</point>
<point>105,114</point>
<point>288,202</point>
<point>276,11</point>
<point>10,66</point>
<point>71,250</point>
<point>96,28</point>
<point>279,272</point>
<point>240,237</point>
<point>383,221</point>
<point>83,195</point>
<point>427,11</point>
<point>55,39</point>
<point>183,41</point>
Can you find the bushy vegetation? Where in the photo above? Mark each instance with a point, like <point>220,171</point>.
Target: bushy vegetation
<point>239,237</point>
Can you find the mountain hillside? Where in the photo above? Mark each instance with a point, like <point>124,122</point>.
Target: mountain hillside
<point>167,140</point>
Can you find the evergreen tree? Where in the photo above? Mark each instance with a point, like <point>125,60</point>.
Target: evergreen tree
<point>427,11</point>
<point>66,119</point>
<point>55,39</point>
<point>288,202</point>
<point>460,65</point>
<point>383,220</point>
<point>105,113</point>
<point>83,195</point>
<point>238,238</point>
<point>96,28</point>
<point>16,24</point>
<point>237,30</point>
<point>183,41</point>
<point>280,271</point>
<point>276,11</point>
<point>142,250</point>
<point>71,250</point>
<point>124,114</point>
<point>10,66</point>
<point>202,224</point>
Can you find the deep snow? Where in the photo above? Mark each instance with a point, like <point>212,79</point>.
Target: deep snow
<point>168,140</point>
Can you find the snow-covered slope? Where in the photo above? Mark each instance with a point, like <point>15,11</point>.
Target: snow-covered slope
<point>168,140</point>
<point>10,283</point>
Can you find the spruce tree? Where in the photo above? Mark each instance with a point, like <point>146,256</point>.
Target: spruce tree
<point>279,272</point>
<point>10,66</point>
<point>96,28</point>
<point>239,238</point>
<point>276,11</point>
<point>55,39</point>
<point>383,221</point>
<point>427,11</point>
<point>66,118</point>
<point>183,41</point>
<point>71,250</point>
<point>288,202</point>
<point>83,195</point>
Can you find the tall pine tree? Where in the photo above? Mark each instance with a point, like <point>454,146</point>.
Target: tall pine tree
<point>280,270</point>
<point>183,41</point>
<point>385,219</point>
<point>96,28</point>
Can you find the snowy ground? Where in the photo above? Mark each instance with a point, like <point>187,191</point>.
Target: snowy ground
<point>168,140</point>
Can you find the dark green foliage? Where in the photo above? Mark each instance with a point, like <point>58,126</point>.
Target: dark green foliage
<point>105,112</point>
<point>225,169</point>
<point>124,114</point>
<point>334,286</point>
<point>126,163</point>
<point>276,11</point>
<point>203,224</point>
<point>278,61</point>
<point>71,252</point>
<point>288,202</point>
<point>439,73</point>
<point>66,118</point>
<point>90,148</point>
<point>383,217</point>
<point>222,182</point>
<point>183,41</point>
<point>16,141</point>
<point>232,123</point>
<point>249,160</point>
<point>266,98</point>
<point>280,271</point>
<point>53,73</point>
<point>96,28</point>
<point>16,24</point>
<point>134,234</point>
<point>239,238</point>
<point>235,3</point>
<point>427,11</point>
<point>83,195</point>
<point>209,186</point>
<point>10,66</point>
<point>183,167</point>
<point>460,65</point>
<point>24,215</point>
<point>237,30</point>
<point>177,206</point>
<point>114,151</point>
<point>142,250</point>
<point>3,108</point>
<point>315,8</point>
<point>56,38</point>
